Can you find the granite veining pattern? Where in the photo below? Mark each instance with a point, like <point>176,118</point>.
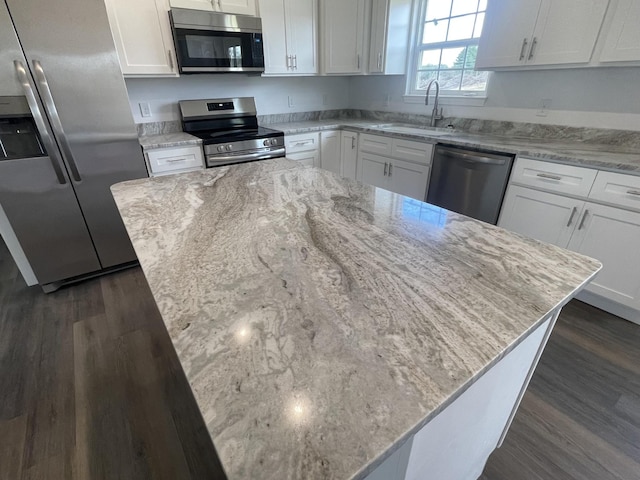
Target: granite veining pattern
<point>166,140</point>
<point>623,157</point>
<point>321,322</point>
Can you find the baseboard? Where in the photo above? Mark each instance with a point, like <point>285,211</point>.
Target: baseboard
<point>612,307</point>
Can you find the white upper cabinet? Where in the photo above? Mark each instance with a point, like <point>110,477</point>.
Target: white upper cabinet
<point>539,32</point>
<point>342,24</point>
<point>389,39</point>
<point>566,31</point>
<point>507,32</point>
<point>622,38</point>
<point>290,36</point>
<point>142,35</point>
<point>242,7</point>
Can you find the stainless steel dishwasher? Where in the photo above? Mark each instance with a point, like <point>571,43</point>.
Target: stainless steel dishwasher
<point>470,182</point>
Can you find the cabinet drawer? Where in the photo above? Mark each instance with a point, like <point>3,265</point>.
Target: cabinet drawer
<point>302,142</point>
<point>412,151</point>
<point>618,189</point>
<point>376,144</point>
<point>553,176</point>
<point>166,160</point>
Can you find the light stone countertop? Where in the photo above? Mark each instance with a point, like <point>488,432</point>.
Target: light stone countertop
<point>167,140</point>
<point>602,156</point>
<point>322,322</point>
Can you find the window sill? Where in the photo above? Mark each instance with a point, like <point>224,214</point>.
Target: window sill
<point>474,101</point>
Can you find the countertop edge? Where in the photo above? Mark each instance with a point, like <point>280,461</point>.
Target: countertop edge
<point>367,469</point>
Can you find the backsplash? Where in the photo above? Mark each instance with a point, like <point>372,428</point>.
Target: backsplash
<point>621,138</point>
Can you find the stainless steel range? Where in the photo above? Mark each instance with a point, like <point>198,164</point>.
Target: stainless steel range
<point>229,130</point>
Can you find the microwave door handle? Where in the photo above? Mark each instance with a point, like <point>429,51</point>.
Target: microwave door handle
<point>49,144</point>
<point>51,109</point>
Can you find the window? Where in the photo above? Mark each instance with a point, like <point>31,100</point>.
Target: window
<point>446,47</point>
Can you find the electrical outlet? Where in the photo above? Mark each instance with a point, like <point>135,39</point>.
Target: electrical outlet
<point>325,99</point>
<point>387,100</point>
<point>145,109</point>
<point>543,107</point>
<point>292,102</point>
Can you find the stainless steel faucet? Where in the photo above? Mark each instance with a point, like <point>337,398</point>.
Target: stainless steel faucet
<point>435,115</point>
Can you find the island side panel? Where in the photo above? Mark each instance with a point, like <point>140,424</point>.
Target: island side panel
<point>457,443</point>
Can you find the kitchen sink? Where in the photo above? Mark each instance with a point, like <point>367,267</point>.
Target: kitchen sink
<point>432,132</point>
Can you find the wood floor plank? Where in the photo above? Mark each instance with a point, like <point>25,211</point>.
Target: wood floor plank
<point>12,438</point>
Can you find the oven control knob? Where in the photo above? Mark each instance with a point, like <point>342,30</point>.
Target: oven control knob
<point>266,143</point>
<point>229,148</point>
<point>221,148</point>
<point>274,141</point>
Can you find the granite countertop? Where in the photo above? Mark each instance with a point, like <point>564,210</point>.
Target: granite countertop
<point>602,156</point>
<point>167,140</point>
<point>321,322</point>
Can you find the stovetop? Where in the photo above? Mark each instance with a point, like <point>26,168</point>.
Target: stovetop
<point>236,135</point>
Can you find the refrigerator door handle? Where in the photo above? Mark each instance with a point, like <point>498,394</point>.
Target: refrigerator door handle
<point>49,144</point>
<point>51,109</point>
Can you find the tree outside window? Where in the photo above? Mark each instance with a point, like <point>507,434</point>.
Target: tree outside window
<point>448,44</point>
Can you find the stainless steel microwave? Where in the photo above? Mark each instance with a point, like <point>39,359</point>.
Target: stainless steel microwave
<point>212,42</point>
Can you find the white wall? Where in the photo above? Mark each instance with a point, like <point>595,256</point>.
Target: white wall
<point>273,95</point>
<point>595,97</point>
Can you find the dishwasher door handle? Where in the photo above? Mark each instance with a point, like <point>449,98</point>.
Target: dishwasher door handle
<point>485,158</point>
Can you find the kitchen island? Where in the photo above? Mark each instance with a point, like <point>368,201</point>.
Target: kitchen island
<point>330,329</point>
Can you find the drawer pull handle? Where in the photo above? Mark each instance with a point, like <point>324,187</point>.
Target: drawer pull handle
<point>176,160</point>
<point>573,214</point>
<point>385,169</point>
<point>549,176</point>
<point>634,192</point>
<point>302,144</point>
<point>584,217</point>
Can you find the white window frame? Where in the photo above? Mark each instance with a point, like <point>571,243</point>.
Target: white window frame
<point>447,97</point>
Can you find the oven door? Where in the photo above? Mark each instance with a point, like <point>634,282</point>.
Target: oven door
<point>209,51</point>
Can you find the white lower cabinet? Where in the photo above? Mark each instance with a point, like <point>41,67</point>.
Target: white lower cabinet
<point>547,217</point>
<point>611,235</point>
<point>349,154</point>
<point>310,159</point>
<point>395,164</point>
<point>405,178</point>
<point>330,151</point>
<point>409,179</point>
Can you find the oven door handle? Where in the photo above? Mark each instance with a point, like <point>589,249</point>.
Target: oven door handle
<point>279,152</point>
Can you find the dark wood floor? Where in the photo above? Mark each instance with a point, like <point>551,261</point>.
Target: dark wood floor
<point>90,388</point>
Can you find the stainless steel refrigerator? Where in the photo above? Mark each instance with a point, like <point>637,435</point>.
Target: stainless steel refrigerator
<point>59,73</point>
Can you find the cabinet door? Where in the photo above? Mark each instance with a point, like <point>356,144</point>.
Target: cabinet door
<point>566,32</point>
<point>302,35</point>
<point>142,35</point>
<point>242,7</point>
<point>310,159</point>
<point>507,32</point>
<point>343,35</point>
<point>612,236</point>
<point>622,40</point>
<point>194,4</point>
<point>276,61</point>
<point>377,41</point>
<point>409,179</point>
<point>349,154</point>
<point>373,170</point>
<point>330,151</point>
<point>544,216</point>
